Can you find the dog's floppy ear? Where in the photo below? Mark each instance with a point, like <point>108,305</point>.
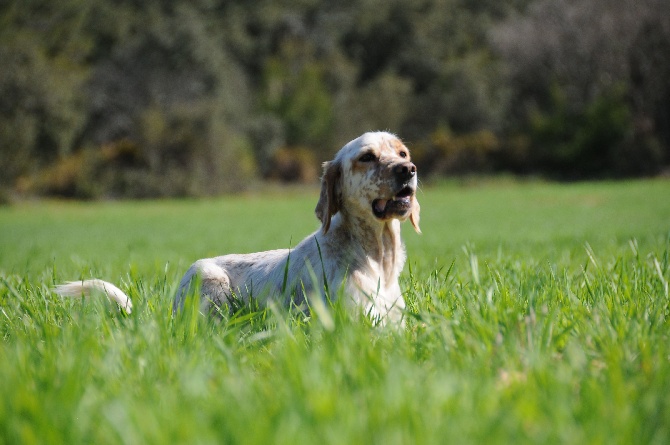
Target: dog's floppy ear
<point>329,201</point>
<point>414,216</point>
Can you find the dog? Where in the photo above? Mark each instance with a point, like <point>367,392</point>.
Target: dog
<point>367,190</point>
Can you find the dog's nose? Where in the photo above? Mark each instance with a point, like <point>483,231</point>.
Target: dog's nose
<point>405,171</point>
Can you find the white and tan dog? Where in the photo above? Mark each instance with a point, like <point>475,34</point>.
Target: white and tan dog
<point>366,191</point>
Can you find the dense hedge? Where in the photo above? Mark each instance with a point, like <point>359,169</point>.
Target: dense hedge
<point>174,98</point>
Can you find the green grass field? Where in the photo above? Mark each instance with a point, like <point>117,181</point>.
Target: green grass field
<point>538,313</point>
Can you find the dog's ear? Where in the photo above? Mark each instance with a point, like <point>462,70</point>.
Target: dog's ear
<point>414,216</point>
<point>329,201</point>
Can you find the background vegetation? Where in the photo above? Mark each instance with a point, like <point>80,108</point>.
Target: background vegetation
<point>174,98</point>
<point>538,313</point>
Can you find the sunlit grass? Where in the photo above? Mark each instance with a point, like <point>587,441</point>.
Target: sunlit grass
<point>537,313</point>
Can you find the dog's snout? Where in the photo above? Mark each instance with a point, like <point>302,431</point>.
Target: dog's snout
<point>405,171</point>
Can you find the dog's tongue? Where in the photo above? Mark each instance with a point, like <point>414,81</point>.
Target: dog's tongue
<point>380,205</point>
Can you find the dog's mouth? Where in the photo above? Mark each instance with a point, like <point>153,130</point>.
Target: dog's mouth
<point>400,204</point>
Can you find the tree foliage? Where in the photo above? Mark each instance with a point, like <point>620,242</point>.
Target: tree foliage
<point>581,81</point>
<point>159,98</point>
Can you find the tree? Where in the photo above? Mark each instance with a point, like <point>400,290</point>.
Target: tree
<point>575,72</point>
<point>43,50</point>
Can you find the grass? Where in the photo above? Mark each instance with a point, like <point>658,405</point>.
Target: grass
<point>539,313</point>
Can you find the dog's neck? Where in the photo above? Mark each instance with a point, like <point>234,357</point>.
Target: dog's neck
<point>378,242</point>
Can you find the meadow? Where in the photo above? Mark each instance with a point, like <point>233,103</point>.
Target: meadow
<point>537,313</point>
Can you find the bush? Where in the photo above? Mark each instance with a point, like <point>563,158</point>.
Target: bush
<point>112,171</point>
<point>297,164</point>
<point>584,141</point>
<point>450,153</point>
<point>41,105</point>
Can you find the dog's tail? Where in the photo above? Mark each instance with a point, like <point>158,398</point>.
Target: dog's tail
<point>87,287</point>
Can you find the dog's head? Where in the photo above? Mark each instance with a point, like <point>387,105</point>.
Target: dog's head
<point>373,178</point>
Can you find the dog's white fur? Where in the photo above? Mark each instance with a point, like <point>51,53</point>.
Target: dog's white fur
<point>366,191</point>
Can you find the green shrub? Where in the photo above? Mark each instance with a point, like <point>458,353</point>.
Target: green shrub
<point>296,164</point>
<point>450,153</point>
<point>573,141</point>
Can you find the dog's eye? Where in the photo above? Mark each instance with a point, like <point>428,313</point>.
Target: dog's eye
<point>368,157</point>
<point>403,154</point>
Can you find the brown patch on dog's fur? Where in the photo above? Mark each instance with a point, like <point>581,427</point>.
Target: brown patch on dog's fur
<point>360,166</point>
<point>399,147</point>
